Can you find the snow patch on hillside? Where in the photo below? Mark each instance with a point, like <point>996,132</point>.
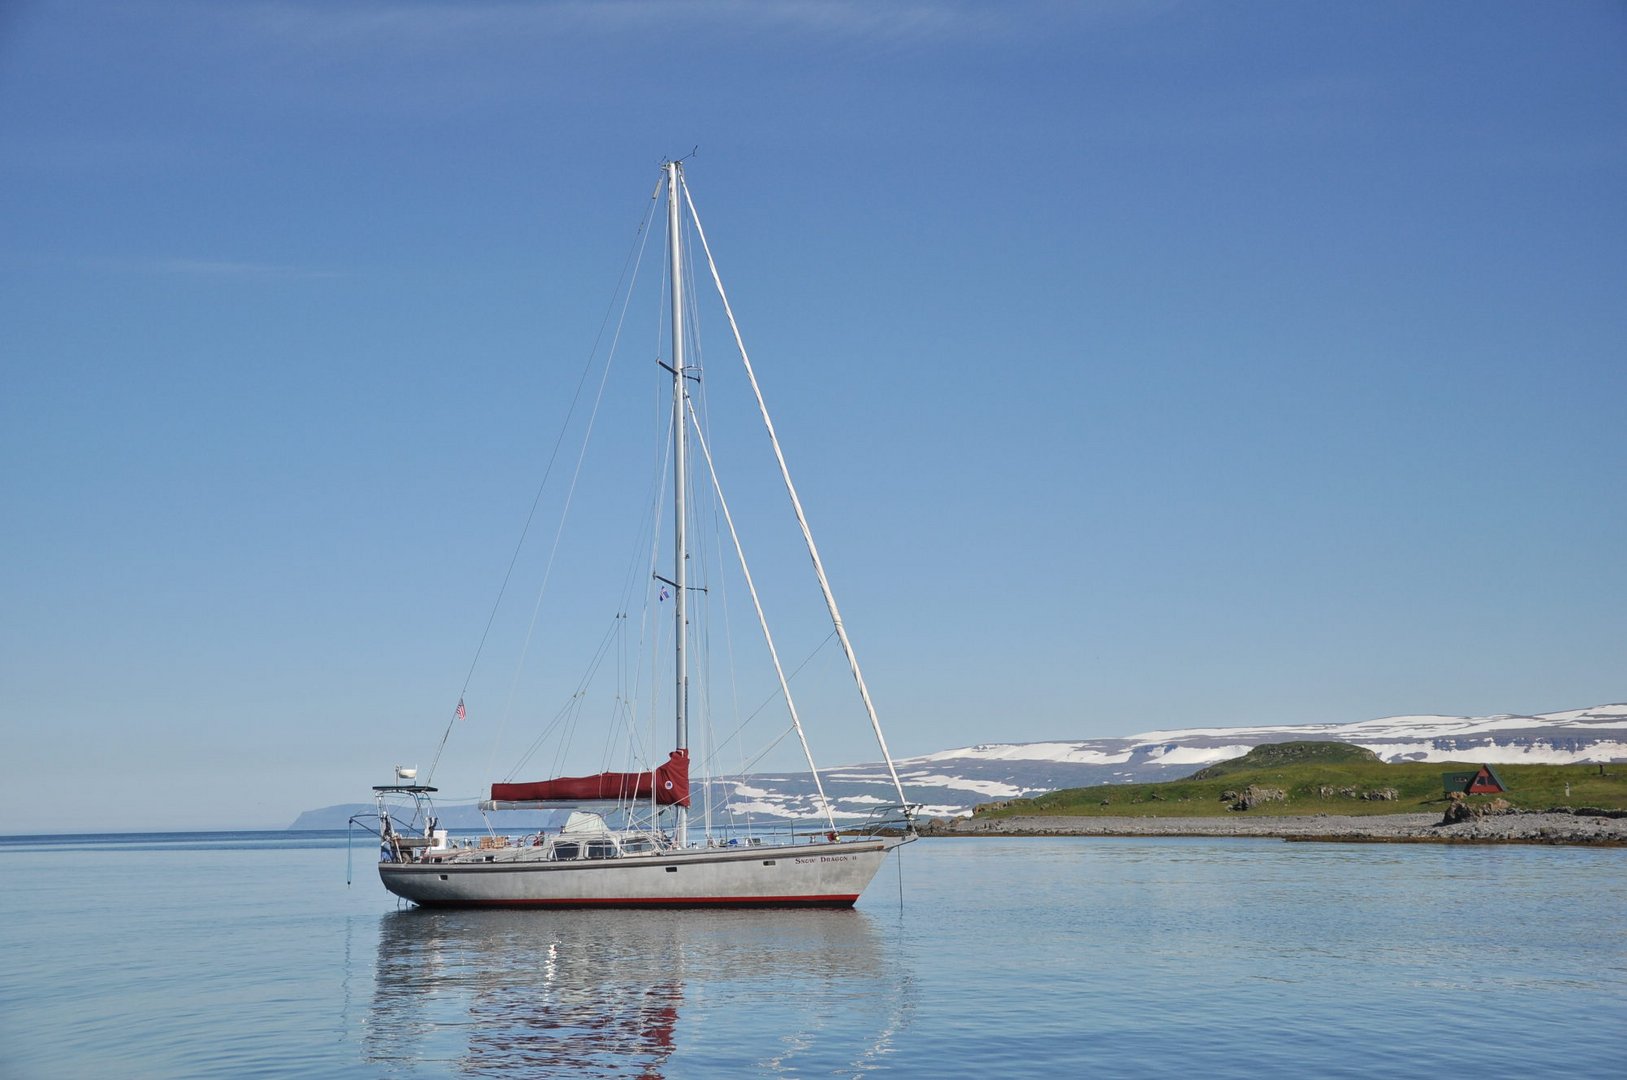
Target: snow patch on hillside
<point>1196,755</point>
<point>1071,753</point>
<point>990,788</point>
<point>1539,753</point>
<point>774,809</point>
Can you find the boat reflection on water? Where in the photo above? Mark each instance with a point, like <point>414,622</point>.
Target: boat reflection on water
<point>603,993</point>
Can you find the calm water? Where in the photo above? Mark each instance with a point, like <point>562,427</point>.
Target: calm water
<point>237,955</point>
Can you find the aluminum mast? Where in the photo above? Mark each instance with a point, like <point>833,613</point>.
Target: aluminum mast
<point>680,468</point>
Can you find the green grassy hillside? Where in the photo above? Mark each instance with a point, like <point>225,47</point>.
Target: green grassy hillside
<point>1324,778</point>
<point>1271,755</point>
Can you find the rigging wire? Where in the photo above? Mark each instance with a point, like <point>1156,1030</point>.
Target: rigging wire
<point>614,644</point>
<point>564,514</point>
<point>796,505</point>
<point>634,259</point>
<point>762,620</point>
<point>713,793</point>
<point>766,702</point>
<point>572,706</point>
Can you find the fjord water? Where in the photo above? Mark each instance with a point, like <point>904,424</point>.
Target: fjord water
<point>247,955</point>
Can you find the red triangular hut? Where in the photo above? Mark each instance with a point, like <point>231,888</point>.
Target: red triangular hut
<point>1486,782</point>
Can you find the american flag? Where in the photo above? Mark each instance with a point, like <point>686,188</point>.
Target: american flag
<point>461,712</point>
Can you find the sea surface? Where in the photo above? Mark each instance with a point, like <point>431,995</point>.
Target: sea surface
<point>247,954</point>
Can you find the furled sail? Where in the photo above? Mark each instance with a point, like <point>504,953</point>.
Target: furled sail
<point>667,783</point>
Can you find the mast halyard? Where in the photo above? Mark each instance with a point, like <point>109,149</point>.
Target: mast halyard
<point>680,481</point>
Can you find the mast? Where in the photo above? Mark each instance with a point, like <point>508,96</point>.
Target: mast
<point>680,467</point>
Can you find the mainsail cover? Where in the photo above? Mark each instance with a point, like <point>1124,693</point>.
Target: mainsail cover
<point>668,783</point>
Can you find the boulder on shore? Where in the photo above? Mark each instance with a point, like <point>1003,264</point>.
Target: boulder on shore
<point>1254,795</point>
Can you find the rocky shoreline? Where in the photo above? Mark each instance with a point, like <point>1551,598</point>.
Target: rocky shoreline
<point>1559,826</point>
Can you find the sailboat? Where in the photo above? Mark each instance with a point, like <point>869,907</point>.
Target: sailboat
<point>628,840</point>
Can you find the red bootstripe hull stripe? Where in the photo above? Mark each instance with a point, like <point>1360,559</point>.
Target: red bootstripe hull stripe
<point>688,901</point>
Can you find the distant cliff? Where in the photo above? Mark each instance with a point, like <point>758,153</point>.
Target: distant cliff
<point>330,817</point>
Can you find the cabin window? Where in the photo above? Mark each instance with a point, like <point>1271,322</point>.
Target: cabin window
<point>601,850</point>
<point>672,869</point>
<point>636,847</point>
<point>768,862</point>
<point>566,851</point>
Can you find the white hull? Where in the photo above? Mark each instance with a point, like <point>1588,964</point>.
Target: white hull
<point>825,874</point>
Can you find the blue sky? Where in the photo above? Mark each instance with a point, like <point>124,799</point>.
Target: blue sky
<point>1143,364</point>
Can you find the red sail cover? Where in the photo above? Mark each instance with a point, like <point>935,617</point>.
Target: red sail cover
<point>669,784</point>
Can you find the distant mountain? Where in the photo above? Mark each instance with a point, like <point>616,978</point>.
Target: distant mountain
<point>951,782</point>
